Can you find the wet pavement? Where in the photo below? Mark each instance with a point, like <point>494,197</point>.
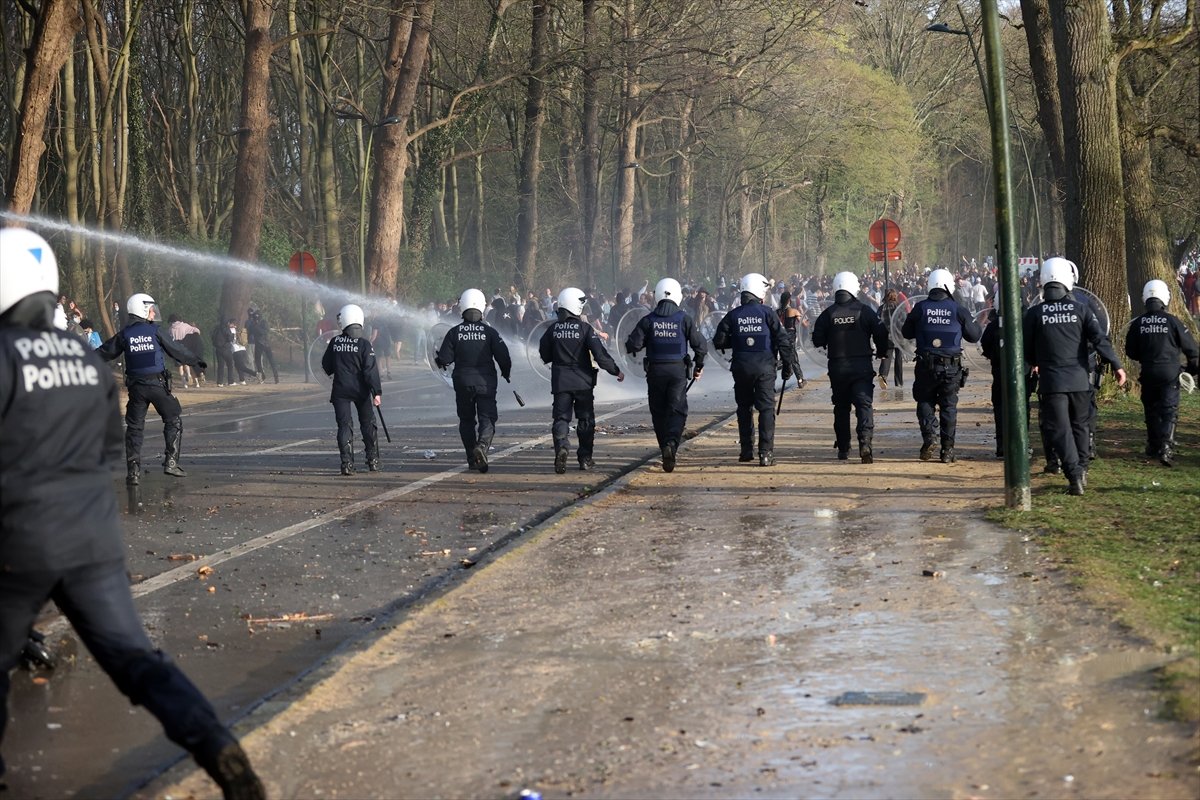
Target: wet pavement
<point>688,634</point>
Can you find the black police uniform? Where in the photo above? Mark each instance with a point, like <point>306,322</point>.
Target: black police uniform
<point>1058,332</point>
<point>350,359</point>
<point>754,333</point>
<point>475,349</point>
<point>258,333</point>
<point>939,325</point>
<point>569,345</point>
<point>1157,339</point>
<point>148,383</point>
<point>666,333</point>
<point>992,344</point>
<point>60,538</point>
<point>846,330</point>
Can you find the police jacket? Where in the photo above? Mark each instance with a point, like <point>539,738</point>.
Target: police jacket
<point>474,348</point>
<point>1057,332</point>
<point>569,345</point>
<point>144,346</point>
<point>992,343</point>
<point>350,359</point>
<point>846,330</point>
<point>757,338</point>
<point>666,333</point>
<point>60,434</point>
<point>1157,339</point>
<point>939,325</point>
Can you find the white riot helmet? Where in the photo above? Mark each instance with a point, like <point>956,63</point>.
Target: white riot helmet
<point>846,282</point>
<point>940,279</point>
<point>755,284</point>
<point>27,266</point>
<point>140,305</point>
<point>572,300</point>
<point>1059,270</point>
<point>1158,290</point>
<point>668,289</point>
<point>472,298</point>
<point>350,315</point>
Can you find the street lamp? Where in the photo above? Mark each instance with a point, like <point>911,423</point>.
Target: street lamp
<point>1016,430</point>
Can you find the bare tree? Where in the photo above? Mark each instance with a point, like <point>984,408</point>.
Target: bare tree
<point>535,116</point>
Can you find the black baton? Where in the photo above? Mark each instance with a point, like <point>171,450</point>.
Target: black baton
<point>379,411</point>
<point>520,400</point>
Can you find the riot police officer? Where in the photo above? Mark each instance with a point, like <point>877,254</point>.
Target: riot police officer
<point>1058,332</point>
<point>475,349</point>
<point>60,538</point>
<point>1157,339</point>
<point>847,329</point>
<point>148,383</point>
<point>569,345</point>
<point>939,325</point>
<point>350,359</point>
<point>758,340</point>
<point>666,333</point>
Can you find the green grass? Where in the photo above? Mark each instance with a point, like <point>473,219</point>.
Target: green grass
<point>1133,541</point>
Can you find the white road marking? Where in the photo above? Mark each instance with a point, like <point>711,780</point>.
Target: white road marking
<point>188,571</point>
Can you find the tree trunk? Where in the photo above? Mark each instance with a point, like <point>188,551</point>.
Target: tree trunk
<point>1043,65</point>
<point>590,190</point>
<point>627,149</point>
<point>306,165</point>
<point>531,153</point>
<point>391,162</point>
<point>55,29</point>
<point>250,178</point>
<point>1087,86</point>
<point>680,195</point>
<point>331,212</point>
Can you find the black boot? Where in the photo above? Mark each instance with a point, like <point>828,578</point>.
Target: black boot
<point>479,455</point>
<point>947,454</point>
<point>865,453</point>
<point>927,448</point>
<point>230,768</point>
<point>747,454</point>
<point>133,472</point>
<point>766,458</point>
<point>668,457</point>
<point>347,454</point>
<point>560,460</point>
<point>171,462</point>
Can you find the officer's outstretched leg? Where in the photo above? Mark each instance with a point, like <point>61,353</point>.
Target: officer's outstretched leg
<point>560,430</point>
<point>370,433</point>
<point>764,403</point>
<point>841,417</point>
<point>488,413</point>
<point>743,395</point>
<point>659,401</point>
<point>345,433</point>
<point>585,427</point>
<point>863,394</point>
<point>135,426</point>
<point>676,419</point>
<point>96,599</point>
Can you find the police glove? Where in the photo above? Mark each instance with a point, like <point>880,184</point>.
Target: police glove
<point>202,364</point>
<point>438,362</point>
<point>882,381</point>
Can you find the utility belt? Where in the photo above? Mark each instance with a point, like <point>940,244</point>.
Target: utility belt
<point>686,361</point>
<point>933,361</point>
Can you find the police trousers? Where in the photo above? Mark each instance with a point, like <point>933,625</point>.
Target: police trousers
<point>754,390</point>
<point>141,397</point>
<point>95,598</point>
<point>859,391</point>
<point>583,403</point>
<point>343,410</point>
<point>1064,418</point>
<point>666,391</point>
<point>1160,406</point>
<point>935,388</point>
<point>476,403</point>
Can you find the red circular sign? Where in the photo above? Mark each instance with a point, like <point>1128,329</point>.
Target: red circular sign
<point>884,233</point>
<point>302,262</point>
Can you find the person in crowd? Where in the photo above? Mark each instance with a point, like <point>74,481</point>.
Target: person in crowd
<point>939,325</point>
<point>186,336</point>
<point>793,321</point>
<point>224,336</point>
<point>1058,333</point>
<point>241,355</point>
<point>1161,343</point>
<point>149,383</point>
<point>350,360</point>
<point>847,330</point>
<point>60,534</point>
<point>569,345</point>
<point>665,334</point>
<point>754,333</point>
<point>893,358</point>
<point>90,334</point>
<point>259,333</point>
<point>475,349</point>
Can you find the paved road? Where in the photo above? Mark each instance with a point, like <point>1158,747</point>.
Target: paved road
<point>304,560</point>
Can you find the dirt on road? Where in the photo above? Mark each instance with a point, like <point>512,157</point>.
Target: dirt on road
<point>817,629</point>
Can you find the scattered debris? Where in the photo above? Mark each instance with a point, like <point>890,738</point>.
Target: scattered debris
<point>933,573</point>
<point>183,557</point>
<point>879,699</point>
<point>204,571</point>
<point>299,616</point>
